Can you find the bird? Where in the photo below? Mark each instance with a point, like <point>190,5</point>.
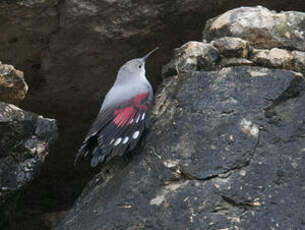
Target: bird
<point>123,115</point>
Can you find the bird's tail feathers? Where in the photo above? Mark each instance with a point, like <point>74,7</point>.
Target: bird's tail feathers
<point>82,152</point>
<point>97,157</point>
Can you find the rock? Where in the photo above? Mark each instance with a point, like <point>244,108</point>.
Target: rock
<point>232,47</point>
<point>192,56</point>
<point>276,58</point>
<point>261,27</point>
<point>280,58</point>
<point>226,62</point>
<point>13,88</point>
<point>71,50</point>
<point>24,142</point>
<point>225,148</point>
<point>298,61</point>
<point>26,27</point>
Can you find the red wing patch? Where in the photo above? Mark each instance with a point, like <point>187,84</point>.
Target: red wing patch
<point>123,116</point>
<point>126,115</point>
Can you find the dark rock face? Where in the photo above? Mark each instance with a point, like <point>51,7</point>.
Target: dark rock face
<point>70,51</point>
<point>26,27</point>
<point>24,143</point>
<point>225,150</point>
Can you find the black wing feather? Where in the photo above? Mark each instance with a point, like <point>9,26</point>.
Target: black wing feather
<point>105,134</point>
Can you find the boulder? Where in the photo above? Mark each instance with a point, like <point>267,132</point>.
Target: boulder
<point>13,88</point>
<point>225,149</point>
<point>71,50</point>
<point>192,56</point>
<point>280,58</point>
<point>24,143</point>
<point>232,47</point>
<point>260,26</point>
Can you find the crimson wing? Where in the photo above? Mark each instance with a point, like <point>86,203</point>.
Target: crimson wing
<point>116,130</point>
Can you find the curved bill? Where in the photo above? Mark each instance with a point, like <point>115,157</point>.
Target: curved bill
<point>147,55</point>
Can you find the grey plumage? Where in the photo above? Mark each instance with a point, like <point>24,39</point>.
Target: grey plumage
<point>122,116</point>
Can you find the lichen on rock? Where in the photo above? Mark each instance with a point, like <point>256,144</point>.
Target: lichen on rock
<point>13,87</point>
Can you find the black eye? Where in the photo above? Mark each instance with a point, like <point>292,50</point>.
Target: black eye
<point>139,66</point>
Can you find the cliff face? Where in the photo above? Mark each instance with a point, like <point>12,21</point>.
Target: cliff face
<point>70,50</point>
<point>24,142</point>
<point>209,129</point>
<point>227,141</point>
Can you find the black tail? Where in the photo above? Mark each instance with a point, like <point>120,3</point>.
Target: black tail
<point>82,152</point>
<point>87,146</point>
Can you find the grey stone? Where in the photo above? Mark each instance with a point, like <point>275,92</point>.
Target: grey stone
<point>299,61</point>
<point>226,62</point>
<point>24,143</point>
<point>13,88</point>
<point>232,47</point>
<point>225,149</point>
<point>192,56</point>
<point>279,58</point>
<point>261,27</point>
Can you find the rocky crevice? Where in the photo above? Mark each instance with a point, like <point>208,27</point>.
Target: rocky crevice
<point>73,65</point>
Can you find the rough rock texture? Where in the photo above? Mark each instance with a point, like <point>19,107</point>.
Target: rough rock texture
<point>232,47</point>
<point>70,51</point>
<point>192,56</point>
<point>280,58</point>
<point>261,27</point>
<point>26,27</point>
<point>24,142</point>
<point>231,51</point>
<point>13,88</point>
<point>225,150</point>
<point>88,40</point>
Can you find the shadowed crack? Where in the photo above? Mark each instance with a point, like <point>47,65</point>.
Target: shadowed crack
<point>243,205</point>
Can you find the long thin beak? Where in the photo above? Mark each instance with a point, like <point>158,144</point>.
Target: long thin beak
<point>147,55</point>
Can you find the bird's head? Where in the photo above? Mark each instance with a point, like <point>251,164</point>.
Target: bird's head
<point>136,66</point>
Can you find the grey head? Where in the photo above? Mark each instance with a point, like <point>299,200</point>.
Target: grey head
<point>134,68</point>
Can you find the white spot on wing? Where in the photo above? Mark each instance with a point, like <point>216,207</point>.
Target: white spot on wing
<point>143,116</point>
<point>138,119</point>
<point>136,134</point>
<point>110,143</point>
<point>131,121</point>
<point>118,141</point>
<point>125,140</point>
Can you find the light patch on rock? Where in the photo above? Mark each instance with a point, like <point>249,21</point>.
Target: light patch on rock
<point>221,21</point>
<point>170,163</point>
<point>249,128</point>
<point>257,74</point>
<point>169,189</point>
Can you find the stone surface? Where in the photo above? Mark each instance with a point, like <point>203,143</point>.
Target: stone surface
<point>13,88</point>
<point>24,143</point>
<point>261,27</point>
<point>276,58</point>
<point>70,51</point>
<point>225,149</point>
<point>26,27</point>
<point>299,61</point>
<point>192,56</point>
<point>232,47</point>
<point>226,62</point>
<point>279,58</point>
